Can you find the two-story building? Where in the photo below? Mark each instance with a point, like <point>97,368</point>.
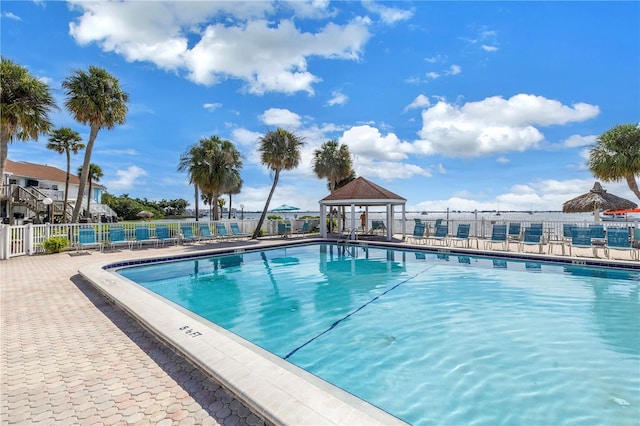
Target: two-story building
<point>35,192</point>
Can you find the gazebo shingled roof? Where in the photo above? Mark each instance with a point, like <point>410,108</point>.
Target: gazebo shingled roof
<point>364,191</point>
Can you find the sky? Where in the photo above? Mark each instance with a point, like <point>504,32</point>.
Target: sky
<point>460,105</point>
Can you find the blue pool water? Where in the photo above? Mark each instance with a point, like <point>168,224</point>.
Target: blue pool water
<point>431,338</point>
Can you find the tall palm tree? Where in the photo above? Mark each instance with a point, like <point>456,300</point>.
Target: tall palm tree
<point>25,104</point>
<point>95,174</point>
<point>65,141</point>
<point>189,160</point>
<point>616,156</point>
<point>234,186</point>
<point>93,98</point>
<point>209,164</point>
<point>332,161</point>
<point>279,150</point>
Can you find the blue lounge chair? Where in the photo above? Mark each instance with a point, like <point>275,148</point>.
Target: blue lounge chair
<point>221,232</point>
<point>117,237</point>
<point>143,236</point>
<point>283,230</point>
<point>418,233</point>
<point>164,235</point>
<point>498,235</point>
<point>440,237</point>
<point>462,235</point>
<point>581,238</point>
<point>618,239</point>
<point>514,231</point>
<point>205,232</point>
<point>304,229</point>
<point>237,233</point>
<point>378,226</point>
<point>531,237</point>
<point>187,234</point>
<point>87,239</point>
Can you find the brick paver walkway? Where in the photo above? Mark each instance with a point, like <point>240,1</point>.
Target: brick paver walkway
<point>71,358</point>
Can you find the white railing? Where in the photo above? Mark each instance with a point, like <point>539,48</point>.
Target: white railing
<point>20,240</point>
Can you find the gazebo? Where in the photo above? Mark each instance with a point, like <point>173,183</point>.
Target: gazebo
<point>362,193</point>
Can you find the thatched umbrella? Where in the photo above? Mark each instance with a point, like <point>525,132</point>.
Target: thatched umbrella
<point>595,200</point>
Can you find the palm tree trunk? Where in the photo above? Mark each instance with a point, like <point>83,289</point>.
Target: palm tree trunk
<point>87,214</point>
<point>229,205</point>
<point>85,173</point>
<point>4,152</point>
<point>633,185</point>
<point>66,188</point>
<point>266,206</point>
<point>195,185</point>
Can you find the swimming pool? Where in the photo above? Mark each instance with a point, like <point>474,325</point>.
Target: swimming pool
<point>431,338</point>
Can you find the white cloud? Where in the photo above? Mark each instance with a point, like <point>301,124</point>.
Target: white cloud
<point>436,59</point>
<point>368,142</point>
<point>10,15</point>
<point>488,48</point>
<point>281,118</point>
<point>212,106</point>
<point>433,75</point>
<point>420,101</point>
<point>388,15</point>
<point>126,179</point>
<point>246,137</point>
<point>127,152</point>
<point>494,125</point>
<point>578,140</point>
<point>212,41</point>
<point>454,70</point>
<point>387,170</point>
<point>337,98</point>
<point>502,160</point>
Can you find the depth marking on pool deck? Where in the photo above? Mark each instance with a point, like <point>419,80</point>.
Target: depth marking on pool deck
<point>335,324</point>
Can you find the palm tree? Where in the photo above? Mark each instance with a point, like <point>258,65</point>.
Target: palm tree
<point>189,160</point>
<point>616,156</point>
<point>209,164</point>
<point>333,161</point>
<point>234,186</point>
<point>25,104</point>
<point>65,141</point>
<point>279,150</point>
<point>95,173</point>
<point>93,98</point>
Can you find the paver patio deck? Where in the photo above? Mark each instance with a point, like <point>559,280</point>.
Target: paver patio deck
<point>71,358</point>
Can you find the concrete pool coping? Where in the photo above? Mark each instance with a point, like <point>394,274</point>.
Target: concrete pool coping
<point>273,388</point>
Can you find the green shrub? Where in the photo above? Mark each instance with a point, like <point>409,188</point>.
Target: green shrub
<point>55,244</point>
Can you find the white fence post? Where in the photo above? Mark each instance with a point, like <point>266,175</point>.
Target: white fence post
<point>5,241</point>
<point>28,239</point>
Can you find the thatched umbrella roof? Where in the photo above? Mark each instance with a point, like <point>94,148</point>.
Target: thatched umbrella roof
<point>595,200</point>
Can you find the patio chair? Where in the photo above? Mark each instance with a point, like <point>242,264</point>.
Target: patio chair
<point>598,237</point>
<point>514,233</point>
<point>418,233</point>
<point>284,229</point>
<point>636,238</point>
<point>237,233</point>
<point>143,237</point>
<point>221,232</point>
<point>117,237</point>
<point>187,235</point>
<point>462,235</point>
<point>440,237</point>
<point>87,238</point>
<point>531,237</point>
<point>205,232</point>
<point>498,235</point>
<point>581,238</point>
<point>378,226</point>
<point>618,239</point>
<point>164,235</point>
